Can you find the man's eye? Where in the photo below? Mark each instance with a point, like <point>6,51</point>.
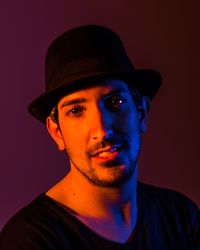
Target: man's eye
<point>75,111</point>
<point>116,102</point>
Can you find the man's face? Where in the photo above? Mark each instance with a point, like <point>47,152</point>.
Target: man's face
<point>100,131</point>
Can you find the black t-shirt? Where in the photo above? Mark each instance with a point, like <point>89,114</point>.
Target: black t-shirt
<point>167,220</point>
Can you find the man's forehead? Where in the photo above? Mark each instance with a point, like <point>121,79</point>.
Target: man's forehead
<point>104,87</point>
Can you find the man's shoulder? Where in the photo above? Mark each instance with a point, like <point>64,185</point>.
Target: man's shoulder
<point>170,216</point>
<point>37,209</point>
<point>163,195</point>
<point>175,207</point>
<point>27,224</point>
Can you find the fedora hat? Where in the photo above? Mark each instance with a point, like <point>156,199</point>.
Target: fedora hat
<point>82,56</point>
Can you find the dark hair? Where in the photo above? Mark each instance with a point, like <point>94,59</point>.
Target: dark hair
<point>137,97</point>
<point>54,114</point>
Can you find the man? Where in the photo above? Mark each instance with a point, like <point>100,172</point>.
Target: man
<point>95,107</point>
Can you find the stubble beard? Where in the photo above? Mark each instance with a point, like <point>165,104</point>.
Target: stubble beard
<point>119,177</point>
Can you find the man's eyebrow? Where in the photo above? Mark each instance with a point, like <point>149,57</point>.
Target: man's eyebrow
<point>117,91</point>
<point>82,100</point>
<point>73,101</point>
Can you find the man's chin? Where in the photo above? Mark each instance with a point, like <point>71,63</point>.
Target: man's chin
<point>110,183</point>
<point>112,163</point>
<point>115,177</point>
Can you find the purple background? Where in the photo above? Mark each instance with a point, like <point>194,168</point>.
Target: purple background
<point>157,34</point>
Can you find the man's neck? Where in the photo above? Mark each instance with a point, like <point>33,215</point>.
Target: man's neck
<point>110,212</point>
<point>102,200</point>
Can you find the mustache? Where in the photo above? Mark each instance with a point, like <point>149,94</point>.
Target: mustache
<point>112,141</point>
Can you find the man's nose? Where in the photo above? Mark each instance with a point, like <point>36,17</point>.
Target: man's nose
<point>101,125</point>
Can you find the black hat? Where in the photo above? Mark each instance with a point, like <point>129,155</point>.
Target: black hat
<point>86,54</point>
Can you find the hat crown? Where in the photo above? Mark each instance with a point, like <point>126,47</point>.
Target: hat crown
<point>84,49</point>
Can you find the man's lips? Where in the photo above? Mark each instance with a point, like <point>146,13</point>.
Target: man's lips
<point>107,153</point>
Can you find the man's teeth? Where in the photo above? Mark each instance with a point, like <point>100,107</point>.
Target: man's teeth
<point>107,153</point>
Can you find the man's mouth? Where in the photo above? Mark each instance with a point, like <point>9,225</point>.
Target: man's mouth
<point>110,152</point>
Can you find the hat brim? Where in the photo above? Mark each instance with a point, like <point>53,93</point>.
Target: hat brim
<point>146,81</point>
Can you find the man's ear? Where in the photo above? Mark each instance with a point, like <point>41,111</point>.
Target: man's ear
<point>143,112</point>
<point>55,133</point>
